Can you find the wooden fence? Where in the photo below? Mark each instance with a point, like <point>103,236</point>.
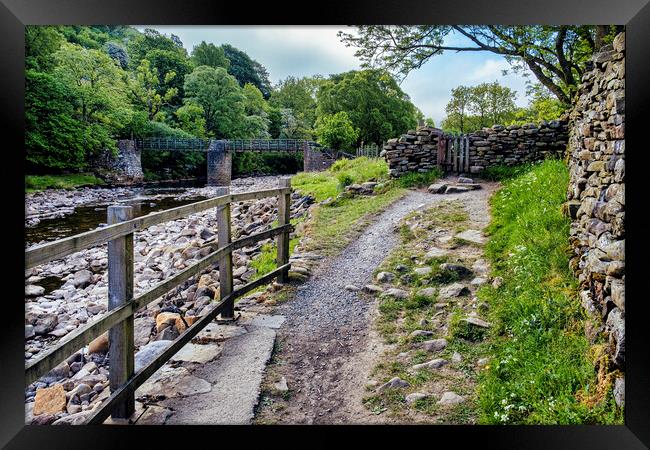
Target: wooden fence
<point>122,304</point>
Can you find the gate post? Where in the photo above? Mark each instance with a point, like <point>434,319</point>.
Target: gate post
<point>284,217</point>
<point>225,262</point>
<point>219,163</point>
<point>120,291</point>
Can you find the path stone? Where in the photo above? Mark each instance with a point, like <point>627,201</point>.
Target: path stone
<point>197,353</point>
<point>173,382</point>
<point>435,253</point>
<point>450,398</point>
<point>437,188</point>
<point>372,289</point>
<point>423,271</point>
<point>414,397</point>
<point>395,383</point>
<point>453,290</point>
<point>427,292</point>
<point>351,288</point>
<point>433,364</point>
<point>434,345</point>
<point>396,293</point>
<point>418,333</point>
<point>385,277</point>
<point>459,269</point>
<point>475,321</point>
<point>474,236</point>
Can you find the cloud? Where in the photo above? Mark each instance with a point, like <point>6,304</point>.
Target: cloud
<point>490,70</point>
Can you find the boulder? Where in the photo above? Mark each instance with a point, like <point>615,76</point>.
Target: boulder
<point>82,278</point>
<point>99,344</point>
<point>50,400</point>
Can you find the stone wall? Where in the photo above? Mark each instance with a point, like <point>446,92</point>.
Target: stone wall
<point>124,168</point>
<point>417,151</point>
<point>596,194</point>
<point>517,144</point>
<point>315,161</point>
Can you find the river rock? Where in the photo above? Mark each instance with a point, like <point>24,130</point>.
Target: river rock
<point>148,353</point>
<point>45,323</point>
<point>82,278</point>
<point>49,400</point>
<point>99,344</point>
<point>32,290</point>
<point>165,319</point>
<point>142,327</point>
<point>58,373</point>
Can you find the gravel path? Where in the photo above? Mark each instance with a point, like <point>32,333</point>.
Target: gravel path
<point>327,344</point>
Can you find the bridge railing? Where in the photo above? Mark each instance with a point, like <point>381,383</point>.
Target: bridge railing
<point>122,304</point>
<point>238,145</point>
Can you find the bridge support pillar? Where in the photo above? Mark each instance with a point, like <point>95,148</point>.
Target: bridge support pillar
<point>219,164</point>
<point>315,161</point>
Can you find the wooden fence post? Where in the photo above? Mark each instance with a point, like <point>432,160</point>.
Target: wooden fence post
<point>225,263</point>
<point>284,217</point>
<point>120,291</point>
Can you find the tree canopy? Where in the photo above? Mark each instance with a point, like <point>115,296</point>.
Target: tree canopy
<point>556,55</point>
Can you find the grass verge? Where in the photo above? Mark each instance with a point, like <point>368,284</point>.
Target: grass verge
<point>541,372</point>
<point>34,183</point>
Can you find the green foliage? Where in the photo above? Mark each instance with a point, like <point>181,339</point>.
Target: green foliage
<point>247,70</point>
<point>336,131</point>
<point>419,179</point>
<point>299,96</point>
<point>502,173</point>
<point>145,85</point>
<point>543,106</point>
<point>324,185</point>
<point>40,43</point>
<point>556,55</point>
<point>540,367</point>
<point>374,102</point>
<point>206,54</point>
<point>35,183</point>
<point>474,107</point>
<point>221,99</point>
<point>344,179</point>
<point>153,40</point>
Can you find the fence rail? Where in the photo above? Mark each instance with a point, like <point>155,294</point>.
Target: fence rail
<point>237,145</point>
<point>371,151</point>
<point>118,321</point>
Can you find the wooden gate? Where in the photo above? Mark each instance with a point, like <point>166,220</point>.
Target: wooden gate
<point>453,153</point>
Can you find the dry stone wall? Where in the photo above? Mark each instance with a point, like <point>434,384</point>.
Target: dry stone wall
<point>417,151</point>
<point>596,194</point>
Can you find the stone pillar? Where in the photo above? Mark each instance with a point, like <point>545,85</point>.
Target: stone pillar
<point>126,167</point>
<point>314,160</point>
<point>219,164</point>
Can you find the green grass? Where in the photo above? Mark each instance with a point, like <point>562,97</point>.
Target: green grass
<point>418,179</point>
<point>35,183</point>
<point>503,173</point>
<point>323,185</point>
<point>540,372</point>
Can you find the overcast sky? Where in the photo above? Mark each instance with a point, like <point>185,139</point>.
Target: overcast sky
<point>310,50</point>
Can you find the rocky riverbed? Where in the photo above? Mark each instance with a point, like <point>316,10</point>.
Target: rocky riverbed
<point>160,252</point>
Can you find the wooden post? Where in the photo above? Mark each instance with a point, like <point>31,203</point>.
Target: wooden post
<point>284,216</point>
<point>225,263</point>
<point>120,291</point>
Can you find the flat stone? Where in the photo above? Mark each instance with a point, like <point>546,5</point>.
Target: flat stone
<point>459,269</point>
<point>148,353</point>
<point>433,364</point>
<point>456,189</point>
<point>372,289</point>
<point>435,253</point>
<point>197,353</point>
<point>396,293</point>
<point>153,415</point>
<point>453,290</point>
<point>173,382</point>
<point>475,321</point>
<point>423,271</point>
<point>478,281</point>
<point>450,398</point>
<point>434,345</point>
<point>465,180</point>
<point>218,333</point>
<point>437,188</point>
<point>417,333</point>
<point>414,397</point>
<point>385,277</point>
<point>427,292</point>
<point>474,236</point>
<point>281,386</point>
<point>395,383</point>
<point>265,320</point>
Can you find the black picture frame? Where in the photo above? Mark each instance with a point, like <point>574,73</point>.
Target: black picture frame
<point>635,14</point>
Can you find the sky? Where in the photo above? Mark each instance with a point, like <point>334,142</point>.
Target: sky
<point>309,50</point>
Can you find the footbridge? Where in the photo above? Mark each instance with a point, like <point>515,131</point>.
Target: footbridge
<point>219,152</point>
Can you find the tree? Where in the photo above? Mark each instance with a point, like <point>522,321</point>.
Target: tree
<point>543,106</point>
<point>144,85</point>
<point>150,40</point>
<point>164,62</point>
<point>220,97</point>
<point>299,95</point>
<point>458,109</point>
<point>192,119</point>
<point>336,131</point>
<point>556,55</point>
<point>209,55</point>
<point>373,101</point>
<point>493,103</point>
<point>98,91</point>
<point>40,43</point>
<point>54,139</point>
<point>247,70</point>
<point>256,110</point>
